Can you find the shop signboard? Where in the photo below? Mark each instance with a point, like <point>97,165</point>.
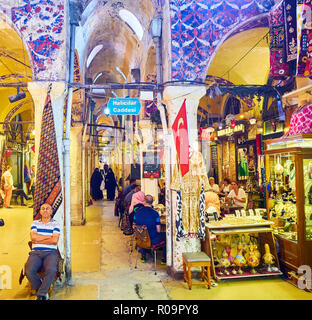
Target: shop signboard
<point>230,131</point>
<point>124,106</point>
<point>206,133</point>
<point>151,165</point>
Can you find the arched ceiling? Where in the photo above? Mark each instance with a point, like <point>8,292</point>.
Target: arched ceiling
<point>121,47</point>
<point>14,67</point>
<point>244,58</point>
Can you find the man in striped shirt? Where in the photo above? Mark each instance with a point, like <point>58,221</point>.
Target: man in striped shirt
<point>44,236</point>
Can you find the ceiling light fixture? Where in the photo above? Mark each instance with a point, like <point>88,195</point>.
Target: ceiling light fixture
<point>18,96</point>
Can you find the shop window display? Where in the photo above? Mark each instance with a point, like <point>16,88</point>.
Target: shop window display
<point>289,198</point>
<point>241,246</point>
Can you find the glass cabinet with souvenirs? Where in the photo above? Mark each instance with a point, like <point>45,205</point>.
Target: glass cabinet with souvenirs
<point>288,163</point>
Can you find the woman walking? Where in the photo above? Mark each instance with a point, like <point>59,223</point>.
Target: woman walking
<point>110,185</point>
<point>95,185</point>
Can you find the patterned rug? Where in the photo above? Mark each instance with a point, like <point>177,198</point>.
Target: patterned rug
<point>48,187</point>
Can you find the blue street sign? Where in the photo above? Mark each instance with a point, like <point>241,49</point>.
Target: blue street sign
<point>124,106</point>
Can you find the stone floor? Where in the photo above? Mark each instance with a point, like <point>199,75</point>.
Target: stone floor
<point>103,269</point>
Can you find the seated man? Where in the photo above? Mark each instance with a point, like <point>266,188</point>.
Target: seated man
<point>44,236</point>
<point>150,218</point>
<point>237,195</point>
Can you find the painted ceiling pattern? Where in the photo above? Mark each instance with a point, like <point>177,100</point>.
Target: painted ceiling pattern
<point>41,24</point>
<point>197,26</point>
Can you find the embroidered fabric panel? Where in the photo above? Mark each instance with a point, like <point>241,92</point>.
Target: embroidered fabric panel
<point>300,121</point>
<point>179,223</point>
<point>48,187</point>
<point>279,69</point>
<point>304,38</point>
<point>202,232</point>
<point>290,19</point>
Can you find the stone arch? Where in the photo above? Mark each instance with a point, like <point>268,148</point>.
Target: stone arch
<point>9,22</point>
<point>254,22</point>
<point>16,66</point>
<point>42,29</point>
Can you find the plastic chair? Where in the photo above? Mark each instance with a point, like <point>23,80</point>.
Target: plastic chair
<point>143,241</point>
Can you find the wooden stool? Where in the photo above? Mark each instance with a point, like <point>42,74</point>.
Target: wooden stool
<point>196,259</point>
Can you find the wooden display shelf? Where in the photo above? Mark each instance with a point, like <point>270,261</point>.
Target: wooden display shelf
<point>265,235</point>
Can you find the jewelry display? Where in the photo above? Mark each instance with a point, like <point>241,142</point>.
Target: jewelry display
<point>288,176</point>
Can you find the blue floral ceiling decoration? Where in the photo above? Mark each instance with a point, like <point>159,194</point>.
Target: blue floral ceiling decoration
<point>198,26</point>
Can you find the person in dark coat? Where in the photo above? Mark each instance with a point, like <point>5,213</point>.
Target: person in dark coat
<point>95,184</point>
<point>110,184</point>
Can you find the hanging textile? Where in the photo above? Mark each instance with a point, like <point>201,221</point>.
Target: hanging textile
<point>304,38</point>
<point>279,69</point>
<point>179,223</point>
<point>190,197</point>
<point>181,139</point>
<point>48,187</point>
<point>300,121</point>
<point>290,19</point>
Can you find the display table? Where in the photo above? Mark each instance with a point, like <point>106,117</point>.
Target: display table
<point>232,229</point>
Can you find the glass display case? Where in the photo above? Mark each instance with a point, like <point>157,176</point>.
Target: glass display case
<point>288,167</point>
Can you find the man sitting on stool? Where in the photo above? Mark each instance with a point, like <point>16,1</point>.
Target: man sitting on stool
<point>44,235</point>
<point>150,218</point>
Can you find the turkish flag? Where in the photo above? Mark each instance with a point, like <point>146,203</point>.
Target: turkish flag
<point>180,135</point>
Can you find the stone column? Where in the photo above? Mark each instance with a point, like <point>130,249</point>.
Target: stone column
<point>38,91</point>
<point>76,186</point>
<point>173,97</point>
<point>148,186</point>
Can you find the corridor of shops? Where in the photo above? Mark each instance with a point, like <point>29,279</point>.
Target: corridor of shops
<point>102,268</point>
<point>206,104</point>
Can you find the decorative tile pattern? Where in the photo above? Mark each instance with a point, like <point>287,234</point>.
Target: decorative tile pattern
<point>197,26</point>
<point>48,187</point>
<point>41,25</point>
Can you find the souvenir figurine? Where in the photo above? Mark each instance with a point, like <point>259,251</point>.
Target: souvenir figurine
<point>230,258</point>
<point>252,259</point>
<point>224,262</point>
<point>268,257</point>
<point>255,249</point>
<point>239,260</point>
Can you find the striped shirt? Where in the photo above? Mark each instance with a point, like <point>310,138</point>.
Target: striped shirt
<point>45,229</point>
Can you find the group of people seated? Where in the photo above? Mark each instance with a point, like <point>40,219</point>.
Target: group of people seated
<point>230,191</point>
<point>135,207</point>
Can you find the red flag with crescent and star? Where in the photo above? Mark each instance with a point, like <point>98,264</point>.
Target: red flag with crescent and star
<point>181,140</point>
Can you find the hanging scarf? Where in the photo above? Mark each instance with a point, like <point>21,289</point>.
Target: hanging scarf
<point>279,69</point>
<point>179,223</point>
<point>304,38</point>
<point>290,20</point>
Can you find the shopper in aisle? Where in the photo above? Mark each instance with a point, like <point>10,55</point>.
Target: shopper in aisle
<point>110,184</point>
<point>95,184</point>
<point>150,218</point>
<point>7,182</point>
<point>128,188</point>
